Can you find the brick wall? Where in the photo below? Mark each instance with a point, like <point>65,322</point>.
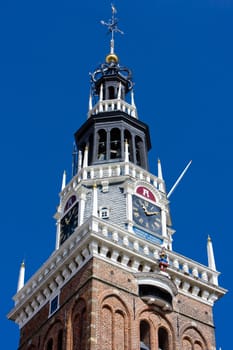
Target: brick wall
<point>100,310</point>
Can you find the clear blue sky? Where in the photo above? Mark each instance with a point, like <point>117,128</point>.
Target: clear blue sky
<point>181,55</point>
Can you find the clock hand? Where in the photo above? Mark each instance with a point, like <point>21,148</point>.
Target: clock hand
<point>144,208</point>
<point>67,221</point>
<point>152,213</point>
<point>149,213</point>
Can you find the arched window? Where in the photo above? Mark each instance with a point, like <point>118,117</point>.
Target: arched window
<point>187,344</point>
<point>144,335</point>
<point>80,327</point>
<point>115,143</point>
<point>102,137</point>
<point>198,346</point>
<point>111,93</point>
<point>163,339</point>
<point>128,138</point>
<point>59,340</point>
<point>50,344</point>
<point>139,150</point>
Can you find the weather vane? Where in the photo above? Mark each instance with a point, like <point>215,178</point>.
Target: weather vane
<point>112,26</point>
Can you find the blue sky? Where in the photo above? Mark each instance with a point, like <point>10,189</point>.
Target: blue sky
<point>180,52</point>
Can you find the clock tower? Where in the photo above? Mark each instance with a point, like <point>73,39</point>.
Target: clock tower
<point>114,281</point>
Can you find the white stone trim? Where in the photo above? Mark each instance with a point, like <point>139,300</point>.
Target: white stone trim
<point>118,247</point>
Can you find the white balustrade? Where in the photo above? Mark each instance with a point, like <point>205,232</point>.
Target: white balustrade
<point>195,290</point>
<point>204,276</point>
<point>103,251</point>
<point>195,272</point>
<point>124,247</point>
<point>146,268</point>
<point>125,260</point>
<point>126,241</point>
<point>185,268</point>
<point>113,105</point>
<point>136,245</point>
<point>115,254</point>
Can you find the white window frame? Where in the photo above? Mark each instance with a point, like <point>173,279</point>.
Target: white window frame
<point>104,212</point>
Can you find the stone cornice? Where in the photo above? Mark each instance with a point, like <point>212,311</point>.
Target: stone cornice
<point>95,238</point>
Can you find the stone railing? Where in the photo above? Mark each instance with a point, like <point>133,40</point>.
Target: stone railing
<point>111,170</point>
<point>139,255</point>
<point>177,262</point>
<point>96,238</point>
<point>113,105</point>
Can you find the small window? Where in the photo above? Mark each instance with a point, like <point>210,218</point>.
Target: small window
<point>54,304</point>
<point>104,213</point>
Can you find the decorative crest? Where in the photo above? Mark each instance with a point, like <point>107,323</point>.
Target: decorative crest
<point>112,26</point>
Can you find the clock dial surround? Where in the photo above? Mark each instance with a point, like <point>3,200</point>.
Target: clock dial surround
<point>69,222</point>
<point>147,215</point>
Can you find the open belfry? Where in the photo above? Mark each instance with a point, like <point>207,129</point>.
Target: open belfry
<point>113,281</point>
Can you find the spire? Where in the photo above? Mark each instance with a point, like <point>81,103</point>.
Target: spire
<point>112,28</point>
<point>210,254</point>
<point>63,181</point>
<point>90,101</point>
<point>132,99</point>
<point>160,173</point>
<point>74,160</point>
<point>85,158</point>
<point>21,276</point>
<point>160,176</point>
<point>111,81</point>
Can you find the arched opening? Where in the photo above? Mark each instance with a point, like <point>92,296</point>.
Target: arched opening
<point>198,346</point>
<point>128,138</point>
<point>111,93</point>
<point>50,344</point>
<point>80,333</point>
<point>102,138</point>
<point>186,344</point>
<point>144,335</point>
<point>163,339</point>
<point>115,143</point>
<point>139,150</point>
<point>59,340</point>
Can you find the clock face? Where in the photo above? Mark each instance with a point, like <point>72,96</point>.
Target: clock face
<point>147,215</point>
<point>69,222</point>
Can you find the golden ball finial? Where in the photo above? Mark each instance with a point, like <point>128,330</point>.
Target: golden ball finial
<point>112,57</point>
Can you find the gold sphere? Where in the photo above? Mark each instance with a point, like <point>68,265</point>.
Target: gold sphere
<point>111,58</point>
